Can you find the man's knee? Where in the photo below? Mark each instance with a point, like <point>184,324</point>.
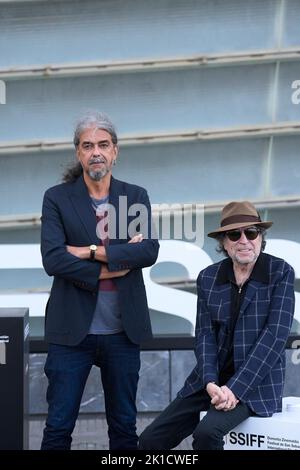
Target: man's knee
<point>207,437</point>
<point>152,440</point>
<point>146,441</point>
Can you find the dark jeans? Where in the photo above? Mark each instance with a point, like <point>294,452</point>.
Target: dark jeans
<point>67,369</point>
<point>181,419</point>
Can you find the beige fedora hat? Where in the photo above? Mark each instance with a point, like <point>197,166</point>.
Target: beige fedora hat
<point>238,215</point>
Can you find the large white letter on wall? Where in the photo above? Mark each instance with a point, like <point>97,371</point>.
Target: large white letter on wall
<point>173,301</point>
<point>290,252</point>
<point>161,298</point>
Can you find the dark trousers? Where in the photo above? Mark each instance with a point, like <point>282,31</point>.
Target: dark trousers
<point>67,369</point>
<point>181,419</point>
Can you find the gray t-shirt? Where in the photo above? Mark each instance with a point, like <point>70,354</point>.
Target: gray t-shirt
<point>107,315</point>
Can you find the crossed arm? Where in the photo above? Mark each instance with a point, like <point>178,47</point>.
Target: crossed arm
<point>72,263</point>
<point>83,252</point>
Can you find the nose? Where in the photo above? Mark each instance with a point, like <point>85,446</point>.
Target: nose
<point>243,238</point>
<point>96,152</point>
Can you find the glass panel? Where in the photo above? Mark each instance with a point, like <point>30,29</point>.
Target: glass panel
<point>43,32</point>
<point>285,166</point>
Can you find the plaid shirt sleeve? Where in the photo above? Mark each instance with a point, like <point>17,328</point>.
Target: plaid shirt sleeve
<point>206,347</point>
<point>272,340</point>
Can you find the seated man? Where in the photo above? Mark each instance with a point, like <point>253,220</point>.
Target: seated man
<point>244,315</point>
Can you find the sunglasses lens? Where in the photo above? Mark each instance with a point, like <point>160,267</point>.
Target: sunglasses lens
<point>235,235</point>
<point>251,233</point>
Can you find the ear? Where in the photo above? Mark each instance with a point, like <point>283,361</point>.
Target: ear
<point>116,148</point>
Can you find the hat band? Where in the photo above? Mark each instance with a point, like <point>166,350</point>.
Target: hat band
<point>235,219</point>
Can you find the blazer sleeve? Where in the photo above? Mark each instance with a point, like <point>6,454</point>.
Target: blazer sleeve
<point>206,345</point>
<point>272,339</point>
<point>136,255</point>
<point>56,259</point>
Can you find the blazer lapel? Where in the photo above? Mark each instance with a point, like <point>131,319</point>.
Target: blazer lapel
<point>223,302</point>
<point>250,293</point>
<point>115,191</point>
<point>82,204</point>
<point>221,297</point>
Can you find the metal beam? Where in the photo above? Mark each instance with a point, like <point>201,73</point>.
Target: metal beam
<point>70,69</point>
<point>22,1</point>
<point>21,221</point>
<point>254,131</point>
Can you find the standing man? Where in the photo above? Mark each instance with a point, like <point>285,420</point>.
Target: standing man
<point>244,315</point>
<point>97,312</point>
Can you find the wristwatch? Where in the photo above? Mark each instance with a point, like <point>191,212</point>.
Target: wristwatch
<point>93,249</point>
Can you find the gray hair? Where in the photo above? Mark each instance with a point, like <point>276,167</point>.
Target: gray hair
<point>94,119</point>
<point>89,119</point>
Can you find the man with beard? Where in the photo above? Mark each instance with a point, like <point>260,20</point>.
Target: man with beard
<point>97,312</point>
<point>244,315</point>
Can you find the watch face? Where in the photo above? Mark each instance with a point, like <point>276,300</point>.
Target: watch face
<point>93,247</point>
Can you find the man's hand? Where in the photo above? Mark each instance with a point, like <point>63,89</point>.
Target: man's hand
<point>231,400</point>
<point>221,397</point>
<point>82,252</point>
<point>137,238</point>
<point>216,394</point>
<point>106,274</point>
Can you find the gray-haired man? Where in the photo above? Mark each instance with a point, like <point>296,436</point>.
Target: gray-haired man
<point>97,311</point>
<point>244,315</point>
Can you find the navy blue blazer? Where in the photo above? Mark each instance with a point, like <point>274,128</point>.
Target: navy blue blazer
<point>69,219</point>
<point>260,336</point>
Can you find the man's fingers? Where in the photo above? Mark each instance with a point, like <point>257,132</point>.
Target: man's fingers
<point>218,398</point>
<point>214,399</point>
<point>220,406</point>
<point>137,238</point>
<point>230,405</point>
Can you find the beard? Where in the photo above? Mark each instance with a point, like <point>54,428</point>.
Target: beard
<point>251,258</point>
<point>97,175</point>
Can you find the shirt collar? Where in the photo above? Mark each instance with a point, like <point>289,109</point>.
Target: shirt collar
<point>259,273</point>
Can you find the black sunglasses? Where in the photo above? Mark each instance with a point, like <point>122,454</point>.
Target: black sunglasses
<point>250,233</point>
